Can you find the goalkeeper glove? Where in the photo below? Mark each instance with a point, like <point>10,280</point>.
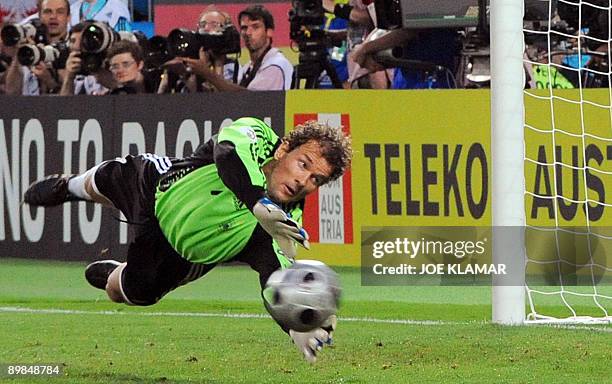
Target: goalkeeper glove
<point>309,343</point>
<point>280,226</point>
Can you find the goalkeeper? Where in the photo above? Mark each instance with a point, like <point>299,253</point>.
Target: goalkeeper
<point>238,197</point>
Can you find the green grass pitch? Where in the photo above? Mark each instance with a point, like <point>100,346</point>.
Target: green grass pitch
<point>429,334</point>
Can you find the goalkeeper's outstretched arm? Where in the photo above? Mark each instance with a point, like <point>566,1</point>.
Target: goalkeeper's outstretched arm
<point>261,256</point>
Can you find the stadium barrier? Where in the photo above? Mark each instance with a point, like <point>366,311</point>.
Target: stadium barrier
<point>45,135</point>
<point>422,158</point>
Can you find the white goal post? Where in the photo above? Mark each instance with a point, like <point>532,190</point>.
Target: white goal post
<point>588,130</point>
<point>507,152</point>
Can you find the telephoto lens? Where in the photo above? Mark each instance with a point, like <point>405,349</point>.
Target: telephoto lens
<point>13,34</point>
<point>97,37</point>
<point>31,55</point>
<point>183,42</point>
<point>226,42</point>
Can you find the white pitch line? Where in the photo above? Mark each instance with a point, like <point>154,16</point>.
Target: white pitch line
<point>221,315</point>
<point>263,316</point>
<point>584,328</point>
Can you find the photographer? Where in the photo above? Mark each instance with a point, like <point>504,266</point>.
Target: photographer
<point>40,79</point>
<point>76,83</point>
<point>126,62</point>
<point>268,69</point>
<point>211,20</point>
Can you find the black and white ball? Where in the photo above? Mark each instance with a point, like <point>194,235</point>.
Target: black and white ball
<point>303,296</point>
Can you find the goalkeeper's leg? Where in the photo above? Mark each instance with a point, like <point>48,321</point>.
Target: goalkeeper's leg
<point>57,189</point>
<point>152,269</point>
<point>113,285</point>
<point>123,183</point>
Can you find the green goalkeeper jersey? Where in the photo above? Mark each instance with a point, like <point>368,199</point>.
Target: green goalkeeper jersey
<point>204,203</point>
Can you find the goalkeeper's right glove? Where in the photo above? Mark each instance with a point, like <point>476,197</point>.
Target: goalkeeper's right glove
<point>309,343</point>
<point>280,226</point>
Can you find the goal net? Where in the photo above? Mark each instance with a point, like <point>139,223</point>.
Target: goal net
<point>566,162</point>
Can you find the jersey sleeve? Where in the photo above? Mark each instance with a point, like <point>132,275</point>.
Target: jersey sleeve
<point>262,256</point>
<point>240,152</point>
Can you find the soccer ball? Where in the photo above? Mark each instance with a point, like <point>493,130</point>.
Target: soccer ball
<point>303,296</point>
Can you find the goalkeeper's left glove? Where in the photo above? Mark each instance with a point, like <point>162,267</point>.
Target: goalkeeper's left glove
<point>309,343</point>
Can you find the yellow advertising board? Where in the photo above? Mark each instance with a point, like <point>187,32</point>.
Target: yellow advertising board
<point>422,158</point>
<point>577,124</point>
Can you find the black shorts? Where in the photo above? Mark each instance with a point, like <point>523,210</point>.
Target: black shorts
<point>153,267</point>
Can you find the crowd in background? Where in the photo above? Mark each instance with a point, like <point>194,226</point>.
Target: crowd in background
<point>65,63</point>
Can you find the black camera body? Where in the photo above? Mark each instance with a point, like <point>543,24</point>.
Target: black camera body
<point>306,29</point>
<point>13,34</point>
<point>155,53</point>
<point>186,43</point>
<point>307,12</point>
<point>306,20</point>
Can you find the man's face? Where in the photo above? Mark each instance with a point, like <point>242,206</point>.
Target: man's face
<point>298,172</point>
<point>254,34</point>
<point>54,14</point>
<point>211,22</point>
<point>124,68</point>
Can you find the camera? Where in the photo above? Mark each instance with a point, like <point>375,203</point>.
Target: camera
<point>183,42</point>
<point>156,53</point>
<point>13,34</point>
<point>306,19</point>
<point>307,12</point>
<point>306,29</point>
<point>96,39</point>
<point>55,54</point>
